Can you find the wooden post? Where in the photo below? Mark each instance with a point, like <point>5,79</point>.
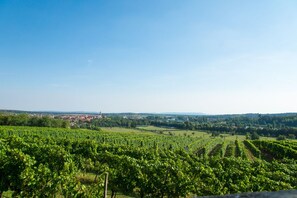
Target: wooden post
<point>105,185</point>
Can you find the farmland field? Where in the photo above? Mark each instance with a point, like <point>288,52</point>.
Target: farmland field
<point>146,161</point>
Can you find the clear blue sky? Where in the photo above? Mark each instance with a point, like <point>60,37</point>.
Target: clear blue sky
<point>211,56</point>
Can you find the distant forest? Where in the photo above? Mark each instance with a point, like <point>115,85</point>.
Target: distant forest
<point>264,125</point>
<point>273,125</point>
<point>28,120</point>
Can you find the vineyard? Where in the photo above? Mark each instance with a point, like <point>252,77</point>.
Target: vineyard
<point>51,162</point>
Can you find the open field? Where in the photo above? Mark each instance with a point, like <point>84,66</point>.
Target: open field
<point>154,128</point>
<point>173,131</point>
<point>122,129</point>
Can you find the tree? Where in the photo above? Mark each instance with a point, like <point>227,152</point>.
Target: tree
<point>281,137</point>
<point>255,136</point>
<point>291,136</point>
<point>248,136</point>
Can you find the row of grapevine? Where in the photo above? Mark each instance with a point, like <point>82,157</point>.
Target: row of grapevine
<point>255,151</point>
<point>240,150</point>
<point>216,151</point>
<point>279,151</point>
<point>230,150</point>
<point>292,145</point>
<point>205,146</point>
<point>224,148</point>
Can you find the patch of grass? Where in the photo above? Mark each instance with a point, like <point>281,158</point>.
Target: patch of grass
<point>155,128</point>
<point>7,194</point>
<point>86,178</point>
<point>267,138</point>
<point>190,133</point>
<point>234,137</point>
<point>121,130</point>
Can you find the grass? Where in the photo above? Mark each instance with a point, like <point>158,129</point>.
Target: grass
<point>189,132</point>
<point>173,131</point>
<point>123,130</point>
<point>86,178</point>
<point>233,137</point>
<point>267,138</point>
<point>7,194</point>
<point>155,128</point>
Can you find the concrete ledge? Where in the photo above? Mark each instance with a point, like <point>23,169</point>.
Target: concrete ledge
<point>277,194</point>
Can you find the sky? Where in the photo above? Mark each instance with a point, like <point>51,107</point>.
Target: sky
<point>211,56</point>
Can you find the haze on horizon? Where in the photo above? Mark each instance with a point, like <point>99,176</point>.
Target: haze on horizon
<point>215,57</point>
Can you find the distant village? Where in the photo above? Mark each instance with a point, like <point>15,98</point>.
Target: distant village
<point>80,117</point>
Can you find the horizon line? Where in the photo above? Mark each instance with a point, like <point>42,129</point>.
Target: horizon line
<point>131,112</point>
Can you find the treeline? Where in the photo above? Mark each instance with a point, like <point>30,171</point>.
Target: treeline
<point>27,120</point>
<point>266,120</point>
<point>227,126</point>
<point>271,120</point>
<point>289,132</point>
